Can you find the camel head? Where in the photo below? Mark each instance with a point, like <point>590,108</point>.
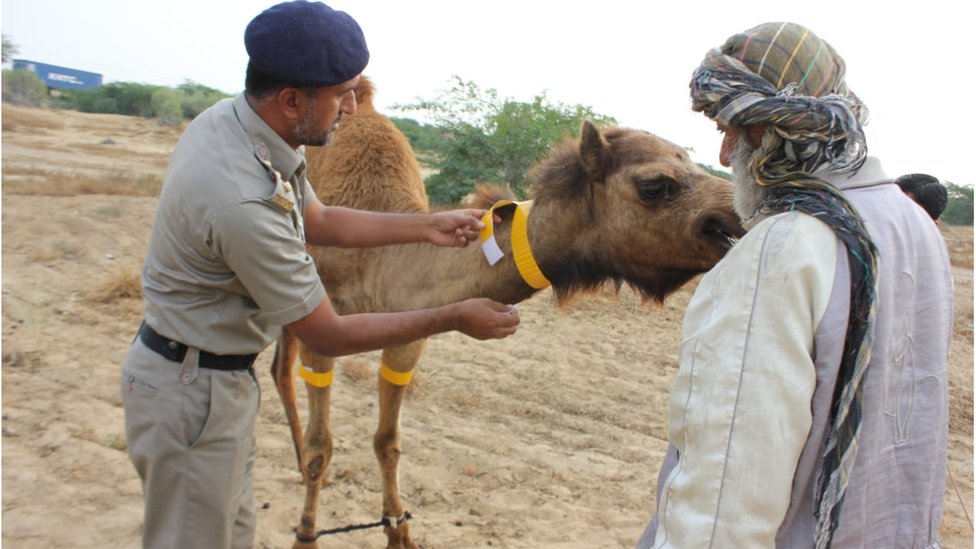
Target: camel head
<point>634,209</point>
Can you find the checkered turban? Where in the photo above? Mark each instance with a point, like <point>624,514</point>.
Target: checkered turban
<point>785,77</point>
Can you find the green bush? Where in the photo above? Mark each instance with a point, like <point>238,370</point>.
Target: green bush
<point>959,210</point>
<point>106,105</point>
<point>166,107</point>
<point>22,87</point>
<point>127,98</point>
<point>133,99</point>
<point>193,105</point>
<point>196,98</point>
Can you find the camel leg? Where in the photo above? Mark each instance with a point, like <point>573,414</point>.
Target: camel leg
<point>282,372</point>
<point>318,445</point>
<point>398,364</point>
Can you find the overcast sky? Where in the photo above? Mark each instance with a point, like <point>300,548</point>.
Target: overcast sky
<point>629,59</point>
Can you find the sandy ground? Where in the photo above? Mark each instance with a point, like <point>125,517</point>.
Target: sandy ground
<point>549,439</point>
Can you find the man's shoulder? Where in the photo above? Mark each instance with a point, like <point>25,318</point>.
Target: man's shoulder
<point>212,131</point>
<point>792,224</point>
<point>786,237</point>
<point>218,164</point>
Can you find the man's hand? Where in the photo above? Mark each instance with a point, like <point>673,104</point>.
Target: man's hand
<point>455,228</point>
<point>483,318</point>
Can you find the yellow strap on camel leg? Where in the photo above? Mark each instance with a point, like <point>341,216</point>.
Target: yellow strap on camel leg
<point>395,377</point>
<point>315,379</point>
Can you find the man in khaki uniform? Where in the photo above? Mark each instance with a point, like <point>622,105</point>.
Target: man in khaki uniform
<point>226,268</point>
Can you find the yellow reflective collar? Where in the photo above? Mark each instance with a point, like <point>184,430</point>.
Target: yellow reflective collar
<point>521,251</point>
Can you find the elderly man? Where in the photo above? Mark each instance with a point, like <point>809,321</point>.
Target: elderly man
<point>226,268</point>
<point>810,405</point>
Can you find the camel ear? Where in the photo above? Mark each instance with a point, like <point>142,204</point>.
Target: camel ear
<point>594,151</point>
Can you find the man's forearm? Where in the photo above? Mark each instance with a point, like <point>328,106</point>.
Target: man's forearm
<point>357,333</point>
<point>349,228</point>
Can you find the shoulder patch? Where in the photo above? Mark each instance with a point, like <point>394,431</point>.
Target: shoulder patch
<point>281,202</point>
<point>283,198</point>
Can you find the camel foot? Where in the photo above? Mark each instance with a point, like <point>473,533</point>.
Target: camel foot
<point>305,545</point>
<point>398,537</point>
<point>305,541</point>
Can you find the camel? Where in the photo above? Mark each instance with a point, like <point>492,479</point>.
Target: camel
<point>618,206</point>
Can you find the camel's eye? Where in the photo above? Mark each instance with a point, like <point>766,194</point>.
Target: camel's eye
<point>659,188</point>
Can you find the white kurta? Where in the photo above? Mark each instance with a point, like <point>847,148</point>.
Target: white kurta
<point>760,351</point>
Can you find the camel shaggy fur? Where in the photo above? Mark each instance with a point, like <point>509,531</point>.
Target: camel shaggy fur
<point>619,206</point>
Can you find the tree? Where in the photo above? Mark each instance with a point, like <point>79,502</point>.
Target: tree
<point>959,210</point>
<point>466,160</point>
<point>22,87</point>
<point>9,49</point>
<point>491,140</point>
<point>422,137</point>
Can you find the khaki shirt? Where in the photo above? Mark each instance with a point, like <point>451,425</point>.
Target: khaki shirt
<point>226,265</point>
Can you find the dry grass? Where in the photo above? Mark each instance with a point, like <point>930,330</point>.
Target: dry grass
<point>357,370</point>
<point>48,255</point>
<point>17,118</point>
<point>363,371</point>
<point>38,182</point>
<point>54,250</point>
<point>959,240</point>
<point>125,283</point>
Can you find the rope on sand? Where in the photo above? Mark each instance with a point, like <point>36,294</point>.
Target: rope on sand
<point>386,521</point>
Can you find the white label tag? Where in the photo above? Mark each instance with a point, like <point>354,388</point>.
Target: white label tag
<point>492,252</point>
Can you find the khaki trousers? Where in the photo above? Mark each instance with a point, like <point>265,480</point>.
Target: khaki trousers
<point>190,435</point>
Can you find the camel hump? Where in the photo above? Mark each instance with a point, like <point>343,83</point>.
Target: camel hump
<point>364,93</point>
<point>369,165</point>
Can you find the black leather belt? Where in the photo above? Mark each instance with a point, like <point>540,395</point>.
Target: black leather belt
<point>176,351</point>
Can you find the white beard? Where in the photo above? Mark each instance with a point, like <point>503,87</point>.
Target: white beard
<point>748,194</point>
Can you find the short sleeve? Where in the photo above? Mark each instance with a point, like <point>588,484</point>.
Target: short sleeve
<point>309,192</point>
<point>261,246</point>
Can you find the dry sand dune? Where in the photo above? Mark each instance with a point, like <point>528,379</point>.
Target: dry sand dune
<point>549,439</point>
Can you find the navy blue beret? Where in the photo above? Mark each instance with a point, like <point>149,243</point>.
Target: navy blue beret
<point>306,44</point>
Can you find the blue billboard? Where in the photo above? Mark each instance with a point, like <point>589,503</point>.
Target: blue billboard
<point>60,77</point>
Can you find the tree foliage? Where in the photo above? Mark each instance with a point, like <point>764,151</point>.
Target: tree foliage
<point>196,98</point>
<point>959,210</point>
<point>165,103</point>
<point>487,139</point>
<point>22,87</point>
<point>169,105</point>
<point>127,98</point>
<point>422,137</point>
<point>9,49</point>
